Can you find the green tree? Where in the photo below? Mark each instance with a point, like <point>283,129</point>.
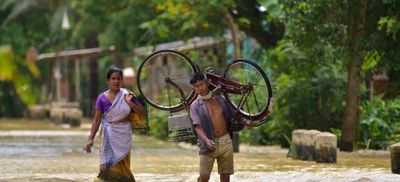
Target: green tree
<point>16,76</point>
<point>18,33</point>
<point>350,28</point>
<point>179,19</point>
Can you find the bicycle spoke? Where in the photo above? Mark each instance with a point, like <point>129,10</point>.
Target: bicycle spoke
<point>258,85</point>
<point>245,72</point>
<point>169,95</point>
<point>168,71</point>
<point>153,72</point>
<point>256,102</point>
<point>248,108</point>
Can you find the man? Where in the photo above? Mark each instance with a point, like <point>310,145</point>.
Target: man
<point>211,115</point>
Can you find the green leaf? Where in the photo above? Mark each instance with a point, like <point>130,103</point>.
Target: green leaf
<point>244,22</point>
<point>372,59</point>
<point>274,10</point>
<point>7,65</point>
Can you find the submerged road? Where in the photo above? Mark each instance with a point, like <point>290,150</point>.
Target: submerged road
<point>30,155</point>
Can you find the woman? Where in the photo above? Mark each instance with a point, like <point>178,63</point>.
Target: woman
<point>112,111</point>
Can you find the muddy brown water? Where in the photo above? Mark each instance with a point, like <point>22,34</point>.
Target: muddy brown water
<point>58,156</point>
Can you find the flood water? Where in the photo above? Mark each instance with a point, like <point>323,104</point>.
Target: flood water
<point>59,156</point>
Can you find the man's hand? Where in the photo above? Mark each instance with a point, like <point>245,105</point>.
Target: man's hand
<point>248,124</point>
<point>210,144</point>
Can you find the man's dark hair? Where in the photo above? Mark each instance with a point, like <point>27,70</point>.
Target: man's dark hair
<point>196,77</point>
<point>112,70</point>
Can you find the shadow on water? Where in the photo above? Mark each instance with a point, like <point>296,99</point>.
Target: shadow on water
<point>59,156</point>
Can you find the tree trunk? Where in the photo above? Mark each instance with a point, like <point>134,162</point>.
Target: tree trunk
<point>351,109</point>
<point>118,59</point>
<point>50,83</point>
<point>12,105</point>
<point>70,80</point>
<point>235,34</point>
<point>91,41</point>
<point>351,113</point>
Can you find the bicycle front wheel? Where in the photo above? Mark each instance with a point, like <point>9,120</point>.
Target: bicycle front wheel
<point>162,65</point>
<point>246,72</point>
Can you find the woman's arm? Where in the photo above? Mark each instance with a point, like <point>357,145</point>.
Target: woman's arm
<point>93,130</point>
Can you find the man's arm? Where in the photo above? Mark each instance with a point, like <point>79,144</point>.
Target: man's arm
<point>202,135</point>
<point>195,116</point>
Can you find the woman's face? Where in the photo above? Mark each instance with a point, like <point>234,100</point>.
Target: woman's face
<point>115,81</point>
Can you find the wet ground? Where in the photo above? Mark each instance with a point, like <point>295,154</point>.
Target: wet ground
<point>57,155</point>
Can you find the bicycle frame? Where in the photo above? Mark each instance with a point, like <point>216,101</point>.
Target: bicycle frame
<point>247,99</point>
<point>229,86</point>
<point>225,85</point>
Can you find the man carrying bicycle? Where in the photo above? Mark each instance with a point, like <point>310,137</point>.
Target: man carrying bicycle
<point>211,115</point>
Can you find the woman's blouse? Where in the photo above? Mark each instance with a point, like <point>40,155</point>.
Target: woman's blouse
<point>103,104</point>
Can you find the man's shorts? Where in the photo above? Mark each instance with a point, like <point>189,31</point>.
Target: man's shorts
<point>224,155</point>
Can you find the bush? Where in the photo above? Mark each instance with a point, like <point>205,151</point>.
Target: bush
<point>159,123</point>
<point>380,124</point>
<point>309,94</point>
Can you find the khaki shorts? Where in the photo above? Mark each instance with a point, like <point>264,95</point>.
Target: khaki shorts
<point>224,155</point>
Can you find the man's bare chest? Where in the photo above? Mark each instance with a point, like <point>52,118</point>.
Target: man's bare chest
<point>214,108</point>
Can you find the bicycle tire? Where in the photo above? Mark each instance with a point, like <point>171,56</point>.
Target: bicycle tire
<point>158,102</point>
<point>262,111</point>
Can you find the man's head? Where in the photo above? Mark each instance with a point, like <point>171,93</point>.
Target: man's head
<point>199,83</point>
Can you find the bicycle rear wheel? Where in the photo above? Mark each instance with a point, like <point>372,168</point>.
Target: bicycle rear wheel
<point>247,72</point>
<point>152,74</point>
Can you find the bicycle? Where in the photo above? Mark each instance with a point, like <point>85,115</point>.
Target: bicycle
<point>163,80</point>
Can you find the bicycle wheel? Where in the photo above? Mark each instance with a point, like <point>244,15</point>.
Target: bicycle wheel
<point>248,72</point>
<point>152,74</point>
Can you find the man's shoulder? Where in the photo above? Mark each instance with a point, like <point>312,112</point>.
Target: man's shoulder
<point>220,96</point>
<point>195,103</point>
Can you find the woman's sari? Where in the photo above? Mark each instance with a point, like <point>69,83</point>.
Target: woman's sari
<point>116,142</point>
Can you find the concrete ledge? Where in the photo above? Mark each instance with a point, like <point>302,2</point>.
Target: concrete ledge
<point>38,112</point>
<point>313,145</point>
<point>297,143</point>
<point>309,140</point>
<point>395,158</point>
<point>71,116</point>
<point>326,148</point>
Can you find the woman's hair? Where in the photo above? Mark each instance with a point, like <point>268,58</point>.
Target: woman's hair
<point>112,70</point>
<point>197,76</point>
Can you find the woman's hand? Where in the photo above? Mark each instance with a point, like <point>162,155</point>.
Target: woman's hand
<point>128,97</point>
<point>88,146</point>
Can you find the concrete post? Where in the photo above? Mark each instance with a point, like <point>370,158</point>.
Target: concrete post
<point>395,158</point>
<point>325,148</point>
<point>309,145</point>
<point>297,144</point>
<point>73,116</point>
